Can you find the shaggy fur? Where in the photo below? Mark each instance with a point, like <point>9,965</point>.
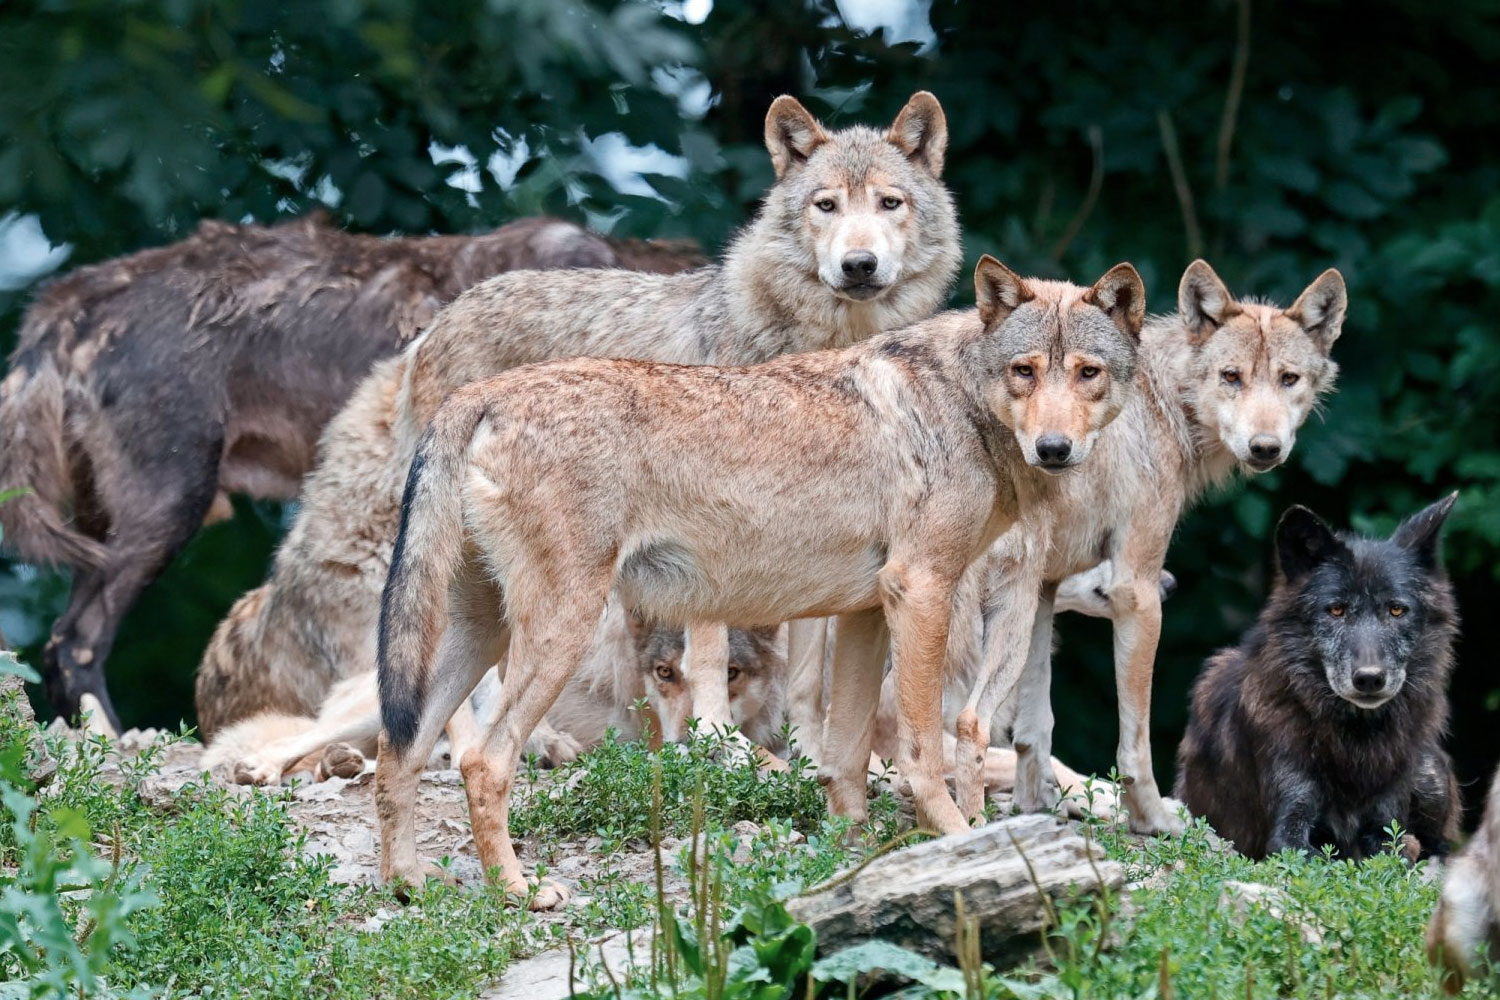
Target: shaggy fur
<point>1467,917</point>
<point>1326,723</point>
<point>859,482</point>
<point>144,389</point>
<point>857,236</point>
<point>1222,385</point>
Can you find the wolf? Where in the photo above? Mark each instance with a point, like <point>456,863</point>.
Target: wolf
<point>1224,384</point>
<point>630,661</point>
<point>145,389</point>
<point>1326,723</point>
<point>857,482</point>
<point>1467,917</point>
<point>858,235</point>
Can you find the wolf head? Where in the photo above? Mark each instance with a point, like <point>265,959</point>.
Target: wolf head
<point>754,666</point>
<point>864,210</point>
<point>1061,358</point>
<point>1374,617</point>
<point>1257,371</point>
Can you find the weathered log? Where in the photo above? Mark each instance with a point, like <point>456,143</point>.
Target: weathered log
<point>908,897</point>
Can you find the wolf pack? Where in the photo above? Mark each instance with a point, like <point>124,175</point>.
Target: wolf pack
<point>553,485</point>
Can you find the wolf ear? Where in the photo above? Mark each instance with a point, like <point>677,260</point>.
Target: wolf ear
<point>1303,543</point>
<point>792,133</point>
<point>998,290</point>
<point>1122,295</point>
<point>1203,301</point>
<point>1419,534</point>
<point>921,132</point>
<point>1320,309</point>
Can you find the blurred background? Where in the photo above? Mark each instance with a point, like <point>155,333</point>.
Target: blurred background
<point>1275,139</point>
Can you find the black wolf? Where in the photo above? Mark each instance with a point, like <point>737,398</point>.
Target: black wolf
<point>1326,723</point>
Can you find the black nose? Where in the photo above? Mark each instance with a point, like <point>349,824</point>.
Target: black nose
<point>1368,680</point>
<point>860,264</point>
<point>1053,449</point>
<point>1265,447</point>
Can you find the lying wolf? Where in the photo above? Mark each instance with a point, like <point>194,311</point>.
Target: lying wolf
<point>858,235</point>
<point>859,482</point>
<point>630,662</point>
<point>144,389</point>
<point>1325,724</point>
<point>1223,384</point>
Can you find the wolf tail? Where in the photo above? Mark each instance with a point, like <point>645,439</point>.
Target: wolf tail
<point>34,449</point>
<point>429,549</point>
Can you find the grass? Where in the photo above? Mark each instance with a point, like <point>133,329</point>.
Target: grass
<point>213,897</point>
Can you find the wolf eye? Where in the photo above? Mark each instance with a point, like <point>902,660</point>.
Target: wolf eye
<point>665,672</point>
<point>734,672</point>
<point>890,204</point>
<point>1230,376</point>
<point>1088,371</point>
<point>1024,371</point>
<point>825,204</point>
<point>1397,609</point>
<point>1290,379</point>
<point>1337,610</point>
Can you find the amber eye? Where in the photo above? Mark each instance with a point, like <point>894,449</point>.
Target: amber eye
<point>734,673</point>
<point>890,204</point>
<point>1024,371</point>
<point>1337,610</point>
<point>665,672</point>
<point>1088,372</point>
<point>1230,376</point>
<point>1290,379</point>
<point>1397,609</point>
<point>825,204</point>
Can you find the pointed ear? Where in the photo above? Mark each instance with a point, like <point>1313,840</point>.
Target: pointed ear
<point>998,290</point>
<point>1122,295</point>
<point>792,133</point>
<point>1203,301</point>
<point>1421,533</point>
<point>1320,309</point>
<point>1303,543</point>
<point>921,132</point>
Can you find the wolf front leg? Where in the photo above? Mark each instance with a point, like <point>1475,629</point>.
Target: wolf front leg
<point>806,645</point>
<point>1135,596</point>
<point>918,605</point>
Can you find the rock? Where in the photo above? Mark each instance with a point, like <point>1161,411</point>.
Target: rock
<point>1243,897</point>
<point>908,897</point>
<point>40,767</point>
<point>545,977</point>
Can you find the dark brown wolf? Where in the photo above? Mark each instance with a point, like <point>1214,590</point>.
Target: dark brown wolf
<point>146,388</point>
<point>1326,723</point>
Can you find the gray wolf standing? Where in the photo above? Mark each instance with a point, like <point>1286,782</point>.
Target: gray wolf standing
<point>1325,724</point>
<point>147,388</point>
<point>1223,385</point>
<point>1468,914</point>
<point>858,482</point>
<point>857,236</point>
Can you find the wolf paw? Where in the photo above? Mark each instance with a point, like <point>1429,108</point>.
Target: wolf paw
<point>255,772</point>
<point>556,749</point>
<point>404,883</point>
<point>549,896</point>
<point>340,760</point>
<point>1036,797</point>
<point>1163,817</point>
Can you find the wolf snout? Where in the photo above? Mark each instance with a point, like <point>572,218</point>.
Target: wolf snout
<point>1369,680</point>
<point>860,265</point>
<point>1053,451</point>
<point>1265,450</point>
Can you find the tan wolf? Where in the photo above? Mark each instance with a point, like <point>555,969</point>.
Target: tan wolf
<point>1468,914</point>
<point>630,661</point>
<point>857,236</point>
<point>858,482</point>
<point>1222,385</point>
